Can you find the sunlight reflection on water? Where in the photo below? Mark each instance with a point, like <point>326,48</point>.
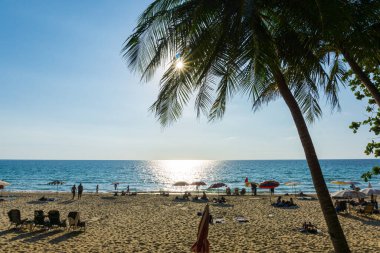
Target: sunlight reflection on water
<point>167,172</point>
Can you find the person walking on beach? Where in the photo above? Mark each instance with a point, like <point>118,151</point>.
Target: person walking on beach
<point>254,189</point>
<point>80,190</point>
<point>128,189</point>
<point>97,189</point>
<point>73,190</point>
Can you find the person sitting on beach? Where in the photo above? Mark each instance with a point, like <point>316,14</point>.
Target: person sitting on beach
<point>291,203</point>
<point>236,191</point>
<point>43,198</point>
<point>338,206</point>
<point>186,195</point>
<point>204,197</point>
<point>228,191</point>
<point>122,193</point>
<point>243,191</point>
<point>309,228</point>
<point>222,200</point>
<point>278,202</point>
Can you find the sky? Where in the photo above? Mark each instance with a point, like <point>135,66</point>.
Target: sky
<point>66,93</point>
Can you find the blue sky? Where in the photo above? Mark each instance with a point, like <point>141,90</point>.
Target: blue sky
<point>66,93</point>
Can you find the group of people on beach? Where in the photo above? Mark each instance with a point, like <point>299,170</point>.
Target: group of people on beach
<point>74,190</point>
<point>282,203</point>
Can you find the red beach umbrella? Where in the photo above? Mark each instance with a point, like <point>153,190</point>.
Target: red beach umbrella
<point>202,245</point>
<point>197,184</point>
<point>270,184</point>
<point>217,186</point>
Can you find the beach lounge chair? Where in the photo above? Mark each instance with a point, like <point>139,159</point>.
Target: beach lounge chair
<point>39,219</point>
<point>368,209</point>
<point>15,218</point>
<point>54,220</point>
<point>75,222</point>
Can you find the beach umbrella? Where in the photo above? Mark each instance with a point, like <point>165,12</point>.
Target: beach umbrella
<point>180,183</point>
<point>348,194</point>
<point>340,183</point>
<point>269,184</point>
<point>202,245</point>
<point>3,184</point>
<point>217,186</point>
<point>293,185</point>
<point>198,183</point>
<point>57,183</point>
<point>370,191</point>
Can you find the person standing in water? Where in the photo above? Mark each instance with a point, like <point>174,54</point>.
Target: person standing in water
<point>80,190</point>
<point>73,190</point>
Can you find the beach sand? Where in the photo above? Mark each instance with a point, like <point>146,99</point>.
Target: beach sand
<point>154,223</point>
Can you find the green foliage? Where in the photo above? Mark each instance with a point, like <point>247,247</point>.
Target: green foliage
<point>368,175</point>
<point>372,110</point>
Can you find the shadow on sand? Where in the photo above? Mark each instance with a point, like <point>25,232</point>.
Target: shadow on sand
<point>65,237</point>
<point>367,220</point>
<point>43,236</point>
<point>66,202</point>
<point>108,198</point>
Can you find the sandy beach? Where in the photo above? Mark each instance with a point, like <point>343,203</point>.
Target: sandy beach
<point>154,223</point>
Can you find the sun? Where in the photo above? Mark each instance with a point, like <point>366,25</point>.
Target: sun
<point>179,65</point>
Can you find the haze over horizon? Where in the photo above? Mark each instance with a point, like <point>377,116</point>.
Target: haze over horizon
<point>68,94</point>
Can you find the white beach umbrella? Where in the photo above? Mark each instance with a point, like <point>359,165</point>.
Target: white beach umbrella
<point>3,183</point>
<point>347,194</point>
<point>370,191</point>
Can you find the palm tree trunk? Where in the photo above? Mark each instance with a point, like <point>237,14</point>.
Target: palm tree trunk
<point>362,76</point>
<point>335,230</point>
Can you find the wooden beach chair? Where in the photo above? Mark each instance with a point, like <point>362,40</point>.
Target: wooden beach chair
<point>54,220</point>
<point>15,218</point>
<point>75,222</point>
<point>39,219</point>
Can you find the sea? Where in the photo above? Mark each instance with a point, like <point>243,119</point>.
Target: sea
<point>147,176</point>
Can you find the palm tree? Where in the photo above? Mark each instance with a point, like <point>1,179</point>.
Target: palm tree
<point>229,47</point>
